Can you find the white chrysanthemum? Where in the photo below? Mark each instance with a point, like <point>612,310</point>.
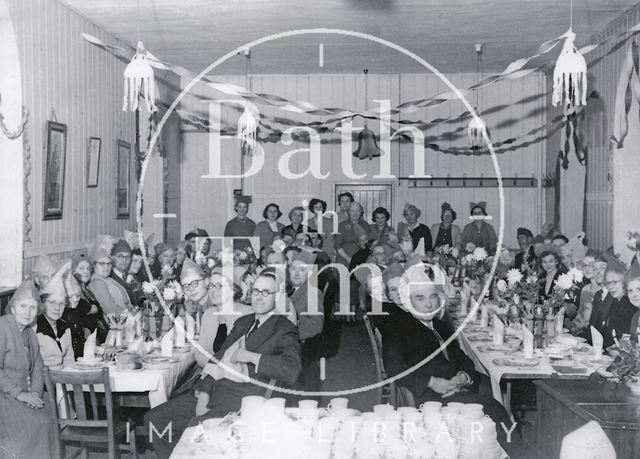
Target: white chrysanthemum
<point>200,259</point>
<point>564,281</point>
<point>147,287</point>
<point>513,277</point>
<point>211,263</point>
<point>501,285</point>
<point>480,254</point>
<point>470,247</point>
<point>278,246</point>
<point>169,294</point>
<point>576,275</point>
<point>455,252</point>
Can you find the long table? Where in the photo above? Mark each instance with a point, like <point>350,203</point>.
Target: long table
<point>564,406</point>
<point>156,383</point>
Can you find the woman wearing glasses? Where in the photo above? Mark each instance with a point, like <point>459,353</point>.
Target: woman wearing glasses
<point>112,297</point>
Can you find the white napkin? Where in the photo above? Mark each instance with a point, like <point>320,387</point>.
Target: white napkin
<point>597,341</point>
<point>559,322</point>
<point>191,327</point>
<point>527,343</point>
<point>473,305</point>
<point>89,352</point>
<point>138,318</point>
<point>498,331</point>
<point>136,345</point>
<point>465,296</point>
<point>166,344</point>
<point>130,329</point>
<point>179,332</point>
<point>484,316</point>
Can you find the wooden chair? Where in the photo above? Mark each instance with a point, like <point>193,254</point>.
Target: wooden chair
<point>404,397</point>
<point>88,426</point>
<point>386,394</point>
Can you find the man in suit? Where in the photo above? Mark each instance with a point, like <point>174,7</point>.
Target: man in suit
<point>271,352</point>
<point>526,254</point>
<point>121,259</point>
<point>588,295</point>
<point>603,300</point>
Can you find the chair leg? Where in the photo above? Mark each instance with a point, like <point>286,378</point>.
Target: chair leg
<point>132,444</point>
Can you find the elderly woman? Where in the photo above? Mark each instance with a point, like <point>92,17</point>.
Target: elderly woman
<point>270,226</point>
<point>350,233</point>
<point>87,308</point>
<point>415,229</point>
<point>112,297</point>
<point>479,232</point>
<point>25,423</point>
<point>165,265</point>
<point>53,332</point>
<point>633,293</point>
<point>380,227</point>
<point>446,233</point>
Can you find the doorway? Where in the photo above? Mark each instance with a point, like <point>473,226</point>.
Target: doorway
<point>369,196</point>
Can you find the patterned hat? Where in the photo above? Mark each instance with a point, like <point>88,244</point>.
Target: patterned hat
<point>121,246</point>
<point>191,268</point>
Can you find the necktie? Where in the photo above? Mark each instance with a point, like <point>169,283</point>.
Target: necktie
<point>439,338</point>
<point>255,326</point>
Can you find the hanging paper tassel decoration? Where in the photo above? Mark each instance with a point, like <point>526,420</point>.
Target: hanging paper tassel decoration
<point>139,80</point>
<point>570,75</point>
<point>477,130</point>
<point>248,131</point>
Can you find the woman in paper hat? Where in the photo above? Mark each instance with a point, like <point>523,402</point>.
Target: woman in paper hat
<point>53,332</point>
<point>445,232</point>
<point>416,230</point>
<point>88,309</point>
<point>25,422</point>
<point>479,232</point>
<point>112,296</point>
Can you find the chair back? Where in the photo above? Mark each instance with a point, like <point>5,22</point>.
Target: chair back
<point>79,410</point>
<point>376,345</point>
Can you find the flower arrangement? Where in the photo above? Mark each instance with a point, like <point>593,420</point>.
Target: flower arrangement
<point>632,240</point>
<point>447,256</point>
<point>565,283</point>
<point>626,365</point>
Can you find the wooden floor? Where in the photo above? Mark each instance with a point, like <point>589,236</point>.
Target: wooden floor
<point>353,367</point>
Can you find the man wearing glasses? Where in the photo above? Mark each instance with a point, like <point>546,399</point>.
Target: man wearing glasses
<point>121,260</point>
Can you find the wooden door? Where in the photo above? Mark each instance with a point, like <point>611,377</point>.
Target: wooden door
<point>369,196</point>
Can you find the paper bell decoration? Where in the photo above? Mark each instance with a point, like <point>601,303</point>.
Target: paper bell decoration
<point>367,145</point>
<point>248,131</point>
<point>139,80</point>
<point>570,75</point>
<point>476,130</point>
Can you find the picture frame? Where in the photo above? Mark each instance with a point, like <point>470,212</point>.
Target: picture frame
<point>123,179</point>
<point>93,161</point>
<point>54,170</point>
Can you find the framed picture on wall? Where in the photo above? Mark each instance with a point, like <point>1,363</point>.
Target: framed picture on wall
<point>124,176</point>
<point>54,170</point>
<point>93,162</point>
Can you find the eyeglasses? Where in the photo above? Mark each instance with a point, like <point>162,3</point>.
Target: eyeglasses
<point>613,282</point>
<point>192,284</point>
<point>264,293</point>
<point>55,303</point>
<point>216,286</point>
<point>104,263</point>
<point>121,256</point>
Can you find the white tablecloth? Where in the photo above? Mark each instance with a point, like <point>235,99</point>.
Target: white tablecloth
<point>158,382</point>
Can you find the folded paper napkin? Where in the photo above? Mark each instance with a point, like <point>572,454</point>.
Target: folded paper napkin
<point>180,333</point>
<point>527,343</point>
<point>498,331</point>
<point>587,442</point>
<point>465,296</point>
<point>559,322</point>
<point>89,353</point>
<point>166,344</point>
<point>484,316</point>
<point>130,329</point>
<point>191,327</point>
<point>136,345</point>
<point>597,341</point>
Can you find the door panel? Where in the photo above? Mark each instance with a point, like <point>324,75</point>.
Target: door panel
<point>370,196</point>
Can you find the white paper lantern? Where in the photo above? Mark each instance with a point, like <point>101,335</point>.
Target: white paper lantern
<point>139,80</point>
<point>570,75</point>
<point>477,130</point>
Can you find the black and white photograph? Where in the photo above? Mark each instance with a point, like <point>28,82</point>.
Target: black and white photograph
<point>339,229</point>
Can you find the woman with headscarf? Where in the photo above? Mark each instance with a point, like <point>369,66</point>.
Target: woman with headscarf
<point>414,228</point>
<point>53,332</point>
<point>112,297</point>
<point>25,423</point>
<point>479,232</point>
<point>446,233</point>
<point>268,228</point>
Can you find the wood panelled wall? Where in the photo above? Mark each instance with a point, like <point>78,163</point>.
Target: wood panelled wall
<point>604,71</point>
<point>520,106</point>
<point>67,80</point>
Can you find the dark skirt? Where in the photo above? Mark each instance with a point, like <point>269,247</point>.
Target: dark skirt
<point>25,433</point>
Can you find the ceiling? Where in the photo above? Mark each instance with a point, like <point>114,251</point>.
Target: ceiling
<point>194,33</point>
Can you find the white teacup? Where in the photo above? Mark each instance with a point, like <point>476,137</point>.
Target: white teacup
<point>382,409</point>
<point>250,405</point>
<point>455,406</point>
<point>277,403</point>
<point>431,407</point>
<point>308,407</point>
<point>472,411</point>
<point>338,405</point>
<point>407,410</point>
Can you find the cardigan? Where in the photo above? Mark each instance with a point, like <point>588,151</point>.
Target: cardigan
<point>112,296</point>
<point>485,236</point>
<point>421,231</point>
<point>456,235</point>
<point>54,350</point>
<point>14,364</point>
<point>265,233</point>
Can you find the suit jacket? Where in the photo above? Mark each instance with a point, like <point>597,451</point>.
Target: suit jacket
<point>276,340</point>
<point>542,293</point>
<point>599,313</point>
<point>309,325</point>
<point>406,342</point>
<point>133,288</point>
<point>14,363</point>
<point>620,316</point>
<point>520,258</point>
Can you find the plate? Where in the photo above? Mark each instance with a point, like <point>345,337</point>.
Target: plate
<point>159,359</point>
<point>497,348</point>
<point>582,349</point>
<point>516,362</point>
<point>480,339</point>
<point>95,364</point>
<point>567,366</point>
<point>186,348</point>
<point>475,328</point>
